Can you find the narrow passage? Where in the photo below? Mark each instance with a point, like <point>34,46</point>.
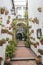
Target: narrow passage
<point>23,53</point>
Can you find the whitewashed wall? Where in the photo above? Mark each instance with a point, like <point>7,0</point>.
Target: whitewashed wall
<point>33,5</point>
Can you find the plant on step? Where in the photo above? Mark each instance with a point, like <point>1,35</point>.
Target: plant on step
<point>38,59</point>
<point>10,51</point>
<point>13,43</point>
<point>27,43</point>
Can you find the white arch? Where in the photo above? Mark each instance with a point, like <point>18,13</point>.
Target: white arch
<point>20,22</point>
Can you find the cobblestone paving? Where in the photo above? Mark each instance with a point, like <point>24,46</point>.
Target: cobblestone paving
<point>23,52</point>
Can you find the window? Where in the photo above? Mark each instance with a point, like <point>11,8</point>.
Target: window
<point>18,8</point>
<point>39,33</point>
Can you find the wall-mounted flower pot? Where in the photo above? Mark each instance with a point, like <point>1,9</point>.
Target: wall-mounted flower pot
<point>6,12</point>
<point>2,42</point>
<point>9,17</point>
<point>39,9</point>
<point>40,51</point>
<point>35,45</point>
<point>8,21</point>
<point>9,28</point>
<point>2,10</point>
<point>41,41</point>
<point>4,31</point>
<point>32,31</point>
<point>35,20</point>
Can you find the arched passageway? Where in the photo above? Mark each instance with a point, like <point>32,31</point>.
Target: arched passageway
<point>19,36</point>
<point>20,30</point>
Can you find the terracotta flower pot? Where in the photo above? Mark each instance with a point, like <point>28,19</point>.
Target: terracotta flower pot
<point>6,12</point>
<point>32,31</point>
<point>2,42</point>
<point>41,52</point>
<point>38,59</point>
<point>41,42</point>
<point>8,21</point>
<point>2,10</point>
<point>39,9</point>
<point>35,45</point>
<point>9,28</point>
<point>9,17</point>
<point>4,31</point>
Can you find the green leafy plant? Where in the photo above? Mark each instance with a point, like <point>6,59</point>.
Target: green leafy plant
<point>27,43</point>
<point>2,41</point>
<point>40,51</point>
<point>10,50</point>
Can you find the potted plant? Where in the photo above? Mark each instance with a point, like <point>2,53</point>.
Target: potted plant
<point>40,51</point>
<point>32,31</point>
<point>7,39</point>
<point>41,40</point>
<point>8,21</point>
<point>9,17</point>
<point>35,45</point>
<point>6,12</point>
<point>39,9</point>
<point>2,42</point>
<point>4,30</point>
<point>2,10</point>
<point>38,59</point>
<point>27,43</point>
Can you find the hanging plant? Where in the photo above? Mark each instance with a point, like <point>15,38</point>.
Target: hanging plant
<point>10,28</point>
<point>39,9</point>
<point>35,20</point>
<point>8,21</point>
<point>2,10</point>
<point>40,51</point>
<point>35,45</point>
<point>2,42</point>
<point>4,30</point>
<point>32,31</point>
<point>9,17</point>
<point>6,12</point>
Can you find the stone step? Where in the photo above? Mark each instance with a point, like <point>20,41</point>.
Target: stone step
<point>23,59</point>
